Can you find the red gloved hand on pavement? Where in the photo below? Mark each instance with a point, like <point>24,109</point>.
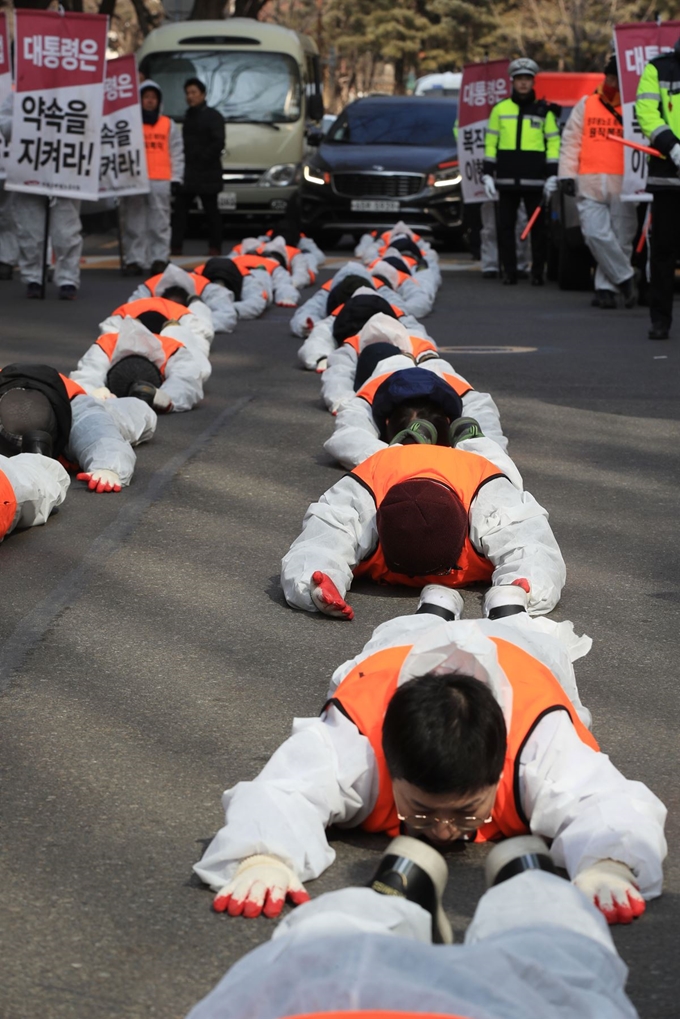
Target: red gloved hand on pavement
<point>286,304</point>
<point>611,887</point>
<point>100,481</point>
<point>523,583</point>
<point>327,598</point>
<point>260,885</point>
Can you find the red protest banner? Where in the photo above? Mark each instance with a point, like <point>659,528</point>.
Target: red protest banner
<point>483,86</point>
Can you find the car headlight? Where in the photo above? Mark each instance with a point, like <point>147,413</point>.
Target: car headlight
<point>280,176</point>
<point>446,175</point>
<point>315,176</point>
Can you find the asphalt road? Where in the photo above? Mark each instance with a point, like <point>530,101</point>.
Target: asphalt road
<point>148,661</point>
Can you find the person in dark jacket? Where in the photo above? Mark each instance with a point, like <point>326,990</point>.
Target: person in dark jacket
<point>204,139</point>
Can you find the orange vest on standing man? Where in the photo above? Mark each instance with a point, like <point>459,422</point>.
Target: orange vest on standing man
<point>157,142</point>
<point>599,154</point>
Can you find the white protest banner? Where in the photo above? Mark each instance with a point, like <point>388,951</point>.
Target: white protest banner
<point>59,60</point>
<point>636,45</point>
<point>122,169</point>
<point>5,82</point>
<point>482,86</point>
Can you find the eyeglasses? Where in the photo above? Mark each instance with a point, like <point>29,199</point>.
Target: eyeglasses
<point>421,822</point>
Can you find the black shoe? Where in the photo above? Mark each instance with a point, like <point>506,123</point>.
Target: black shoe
<point>629,291</point>
<point>658,333</point>
<point>510,279</point>
<point>410,869</point>
<point>537,281</point>
<point>489,274</point>
<point>6,271</point>
<point>158,266</point>
<point>604,299</point>
<point>37,442</point>
<point>68,292</point>
<point>33,291</point>
<point>516,855</point>
<point>132,269</point>
<point>143,391</point>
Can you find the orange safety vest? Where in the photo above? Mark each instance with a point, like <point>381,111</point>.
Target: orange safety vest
<point>397,311</point>
<point>387,236</point>
<point>464,473</point>
<point>8,505</point>
<point>368,391</point>
<point>256,262</point>
<point>419,345</point>
<point>200,282</point>
<point>365,692</point>
<point>401,276</point>
<point>157,142</point>
<point>171,309</point>
<point>109,340</point>
<point>599,154</point>
<point>72,388</point>
<point>328,285</point>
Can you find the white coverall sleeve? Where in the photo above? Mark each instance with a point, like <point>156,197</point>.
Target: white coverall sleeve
<point>576,797</point>
<point>185,373</point>
<point>418,300</point>
<point>367,249</point>
<point>201,320</point>
<point>92,369</point>
<point>220,300</point>
<point>482,408</point>
<point>111,324</point>
<point>323,774</point>
<point>255,296</point>
<point>338,532</point>
<point>302,270</point>
<point>492,451</point>
<point>319,344</point>
<point>570,144</point>
<point>337,382</point>
<point>285,293</point>
<point>309,246</point>
<point>40,485</point>
<point>176,152</point>
<point>141,293</point>
<point>312,311</point>
<point>414,327</point>
<point>355,436</point>
<point>511,529</point>
<point>96,441</point>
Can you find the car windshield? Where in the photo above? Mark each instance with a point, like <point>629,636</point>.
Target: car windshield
<point>412,122</point>
<point>250,87</point>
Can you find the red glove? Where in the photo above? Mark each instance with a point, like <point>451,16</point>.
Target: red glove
<point>100,481</point>
<point>260,885</point>
<point>286,304</point>
<point>523,583</point>
<point>327,598</point>
<point>611,887</point>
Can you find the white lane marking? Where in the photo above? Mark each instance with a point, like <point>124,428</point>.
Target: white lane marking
<point>487,350</point>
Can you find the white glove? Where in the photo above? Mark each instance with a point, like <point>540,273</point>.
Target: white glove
<point>675,154</point>
<point>489,187</point>
<point>100,480</point>
<point>102,393</point>
<point>162,402</point>
<point>260,885</point>
<point>550,186</point>
<point>611,887</point>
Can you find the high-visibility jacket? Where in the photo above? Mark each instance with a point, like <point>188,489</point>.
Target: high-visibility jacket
<point>157,142</point>
<point>419,345</point>
<point>599,154</point>
<point>386,236</point>
<point>464,473</point>
<point>73,389</point>
<point>171,309</point>
<point>401,276</point>
<point>256,262</point>
<point>369,389</point>
<point>200,282</point>
<point>364,694</point>
<point>522,144</point>
<point>108,342</point>
<point>377,283</point>
<point>8,505</point>
<point>658,112</point>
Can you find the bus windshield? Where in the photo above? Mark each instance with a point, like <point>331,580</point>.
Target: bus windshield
<point>249,87</point>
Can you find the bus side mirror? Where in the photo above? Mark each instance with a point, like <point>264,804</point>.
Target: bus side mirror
<point>315,106</point>
<point>315,136</point>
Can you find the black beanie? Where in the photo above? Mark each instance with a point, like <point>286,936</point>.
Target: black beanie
<point>422,526</point>
<point>227,272</point>
<point>130,369</point>
<point>153,320</point>
<point>397,264</point>
<point>356,313</point>
<point>343,290</point>
<point>49,382</point>
<point>407,245</point>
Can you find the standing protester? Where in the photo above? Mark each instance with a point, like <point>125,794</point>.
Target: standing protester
<point>595,162</point>
<point>204,140</point>
<point>659,118</point>
<point>146,218</point>
<point>522,147</point>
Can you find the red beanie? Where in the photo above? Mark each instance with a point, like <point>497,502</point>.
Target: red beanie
<point>422,527</point>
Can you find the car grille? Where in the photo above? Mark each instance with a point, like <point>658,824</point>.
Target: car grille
<point>378,185</point>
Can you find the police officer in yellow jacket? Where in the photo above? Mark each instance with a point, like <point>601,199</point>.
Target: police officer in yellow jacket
<point>521,153</point>
<point>658,113</point>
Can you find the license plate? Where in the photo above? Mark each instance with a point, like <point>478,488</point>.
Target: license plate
<point>373,205</point>
<point>226,201</point>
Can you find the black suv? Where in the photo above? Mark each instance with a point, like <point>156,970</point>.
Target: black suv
<point>385,158</point>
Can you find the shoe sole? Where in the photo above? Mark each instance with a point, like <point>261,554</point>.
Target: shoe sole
<point>505,852</point>
<point>433,863</point>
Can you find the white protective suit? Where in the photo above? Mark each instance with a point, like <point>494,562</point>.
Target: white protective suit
<point>356,435</point>
<point>301,267</point>
<point>28,213</point>
<point>217,299</point>
<point>278,286</point>
<point>536,948</point>
<point>369,247</point>
<point>488,240</point>
<point>315,307</point>
<point>506,525</point>
<point>608,224</point>
<point>418,295</point>
<point>321,343</point>
<point>337,382</point>
<point>145,219</point>
<point>325,772</point>
<point>256,294</point>
<point>185,371</point>
<point>103,433</point>
<point>40,485</point>
<point>9,246</point>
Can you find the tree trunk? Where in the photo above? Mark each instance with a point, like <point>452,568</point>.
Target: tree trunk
<point>399,77</point>
<point>207,10</point>
<point>144,17</point>
<point>249,8</point>
<point>107,7</point>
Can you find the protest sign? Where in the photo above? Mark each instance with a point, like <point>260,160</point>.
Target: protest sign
<point>482,86</point>
<point>123,157</point>
<point>5,82</point>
